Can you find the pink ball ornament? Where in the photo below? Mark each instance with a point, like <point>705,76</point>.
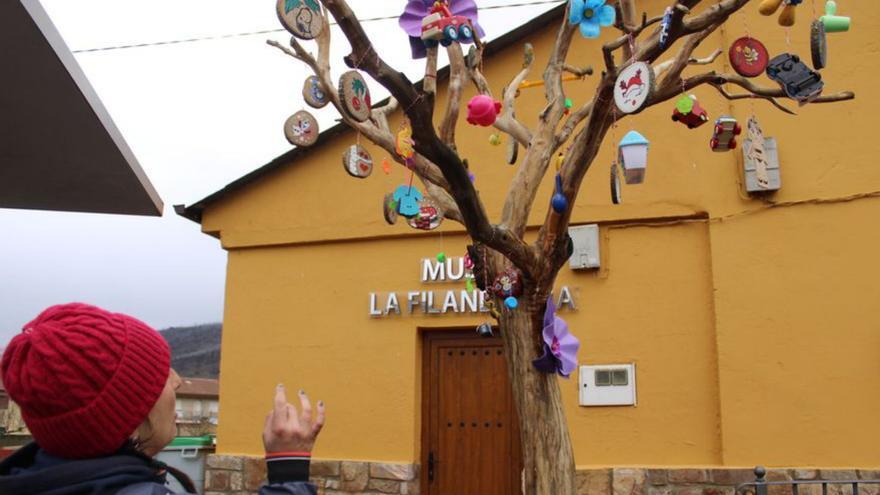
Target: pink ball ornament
<point>483,110</point>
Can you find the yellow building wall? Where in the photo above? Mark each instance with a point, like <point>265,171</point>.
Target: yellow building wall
<point>753,327</point>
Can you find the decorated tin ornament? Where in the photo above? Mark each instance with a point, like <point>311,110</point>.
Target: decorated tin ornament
<point>429,217</point>
<point>389,209</point>
<point>355,96</point>
<point>303,18</point>
<point>818,45</point>
<point>313,94</point>
<point>507,284</point>
<point>748,57</point>
<point>407,198</point>
<point>633,87</point>
<point>357,161</point>
<point>616,197</point>
<point>301,129</point>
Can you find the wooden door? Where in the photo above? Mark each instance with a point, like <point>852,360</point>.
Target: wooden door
<point>470,438</point>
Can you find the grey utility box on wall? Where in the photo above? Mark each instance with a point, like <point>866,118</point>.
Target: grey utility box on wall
<point>750,167</point>
<point>586,247</point>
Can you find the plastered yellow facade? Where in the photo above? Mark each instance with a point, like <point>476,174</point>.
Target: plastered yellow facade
<point>754,328</point>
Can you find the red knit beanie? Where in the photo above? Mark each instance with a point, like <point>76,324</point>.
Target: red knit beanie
<point>85,378</point>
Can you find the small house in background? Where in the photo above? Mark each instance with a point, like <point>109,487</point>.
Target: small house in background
<point>197,406</point>
<point>13,432</point>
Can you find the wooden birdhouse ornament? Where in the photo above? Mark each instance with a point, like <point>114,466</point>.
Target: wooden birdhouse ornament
<point>633,156</point>
<point>760,161</point>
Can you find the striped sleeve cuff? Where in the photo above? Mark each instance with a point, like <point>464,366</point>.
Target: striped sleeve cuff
<point>282,467</point>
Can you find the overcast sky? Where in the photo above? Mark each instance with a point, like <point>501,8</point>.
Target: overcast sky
<point>197,116</point>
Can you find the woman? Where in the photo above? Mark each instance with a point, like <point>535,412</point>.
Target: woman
<point>97,392</point>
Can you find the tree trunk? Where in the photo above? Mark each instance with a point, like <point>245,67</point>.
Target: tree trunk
<point>548,459</point>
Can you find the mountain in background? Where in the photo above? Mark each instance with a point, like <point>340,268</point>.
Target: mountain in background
<point>195,350</point>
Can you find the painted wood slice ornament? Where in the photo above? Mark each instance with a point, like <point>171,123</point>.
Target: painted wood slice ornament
<point>301,129</point>
<point>633,87</point>
<point>616,196</point>
<point>818,45</point>
<point>355,95</point>
<point>389,209</point>
<point>303,18</point>
<point>429,217</point>
<point>748,57</point>
<point>357,161</point>
<point>313,94</point>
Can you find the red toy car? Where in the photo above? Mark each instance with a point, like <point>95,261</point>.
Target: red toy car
<point>724,137</point>
<point>693,118</point>
<point>443,27</point>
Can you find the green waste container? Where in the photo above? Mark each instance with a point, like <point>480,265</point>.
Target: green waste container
<point>188,454</point>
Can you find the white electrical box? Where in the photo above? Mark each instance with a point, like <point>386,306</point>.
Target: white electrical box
<point>586,247</point>
<point>607,385</point>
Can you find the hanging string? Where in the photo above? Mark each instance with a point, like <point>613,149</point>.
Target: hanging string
<point>813,3</point>
<point>788,36</point>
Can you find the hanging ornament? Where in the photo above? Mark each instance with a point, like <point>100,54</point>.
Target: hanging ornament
<point>558,202</point>
<point>386,165</point>
<point>560,346</point>
<point>429,22</point>
<point>407,198</point>
<point>469,284</point>
<point>616,197</point>
<point>633,157</point>
<point>441,257</point>
<point>507,284</point>
<point>797,80</point>
<point>748,57</point>
<point>429,216</point>
<point>818,45</point>
<point>511,302</point>
<point>787,16</point>
<point>633,87</point>
<point>355,96</point>
<point>302,18</point>
<point>724,135</point>
<point>689,112</point>
<point>834,23</point>
<point>494,139</point>
<point>404,145</point>
<point>357,161</point>
<point>483,110</point>
<point>314,94</point>
<point>485,330</point>
<point>568,105</point>
<point>760,161</point>
<point>389,209</point>
<point>301,129</point>
<point>665,26</point>
<point>592,15</point>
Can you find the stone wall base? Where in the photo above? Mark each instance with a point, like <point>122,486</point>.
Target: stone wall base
<point>235,475</point>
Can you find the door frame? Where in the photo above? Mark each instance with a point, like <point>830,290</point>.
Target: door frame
<point>426,336</point>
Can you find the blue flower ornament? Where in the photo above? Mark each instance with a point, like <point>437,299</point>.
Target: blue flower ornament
<point>591,15</point>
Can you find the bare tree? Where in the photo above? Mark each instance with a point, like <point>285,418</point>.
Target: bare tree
<point>548,457</point>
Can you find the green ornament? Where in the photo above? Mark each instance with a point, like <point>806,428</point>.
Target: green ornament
<point>441,257</point>
<point>469,285</point>
<point>568,103</point>
<point>684,104</point>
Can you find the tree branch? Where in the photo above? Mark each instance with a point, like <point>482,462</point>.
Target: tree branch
<point>660,68</point>
<point>420,112</point>
<point>457,74</point>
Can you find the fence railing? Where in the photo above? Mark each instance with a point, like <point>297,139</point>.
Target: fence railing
<point>762,487</point>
